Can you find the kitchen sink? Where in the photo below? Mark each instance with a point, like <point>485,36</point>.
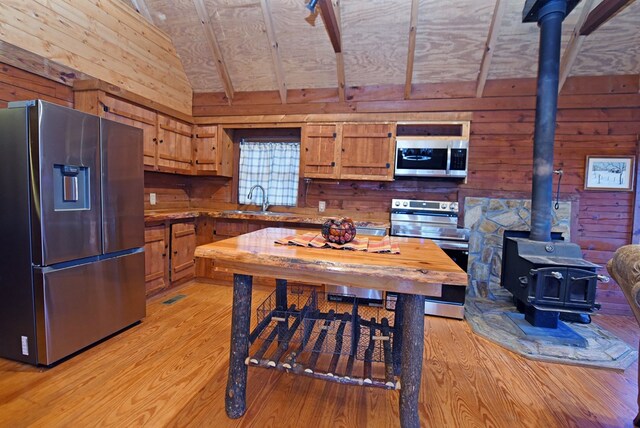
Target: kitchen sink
<point>258,213</point>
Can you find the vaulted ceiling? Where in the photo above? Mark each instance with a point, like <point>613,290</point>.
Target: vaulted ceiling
<point>265,45</point>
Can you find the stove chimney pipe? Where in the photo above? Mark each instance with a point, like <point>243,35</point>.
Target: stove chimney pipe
<point>550,14</point>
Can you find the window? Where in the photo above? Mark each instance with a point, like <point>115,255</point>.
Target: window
<point>275,167</point>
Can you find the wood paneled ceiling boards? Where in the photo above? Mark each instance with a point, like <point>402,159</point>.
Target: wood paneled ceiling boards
<point>240,52</point>
<point>103,39</point>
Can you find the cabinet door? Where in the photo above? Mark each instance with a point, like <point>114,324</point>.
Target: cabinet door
<point>174,145</point>
<point>213,151</point>
<point>183,246</point>
<point>156,262</point>
<point>321,151</point>
<point>367,151</point>
<point>134,115</point>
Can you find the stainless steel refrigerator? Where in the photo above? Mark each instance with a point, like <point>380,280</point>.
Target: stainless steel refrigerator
<point>72,230</point>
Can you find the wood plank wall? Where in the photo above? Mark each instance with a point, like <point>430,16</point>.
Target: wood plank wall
<point>597,116</point>
<point>19,85</point>
<point>172,191</point>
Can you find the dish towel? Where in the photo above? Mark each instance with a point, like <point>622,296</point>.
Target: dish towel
<point>316,240</point>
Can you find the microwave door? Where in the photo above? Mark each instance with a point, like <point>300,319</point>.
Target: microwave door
<point>422,161</point>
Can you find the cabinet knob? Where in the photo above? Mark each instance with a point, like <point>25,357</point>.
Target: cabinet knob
<point>333,164</point>
<point>155,140</point>
<point>175,252</point>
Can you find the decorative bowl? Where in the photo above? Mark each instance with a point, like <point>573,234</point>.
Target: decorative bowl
<point>339,230</point>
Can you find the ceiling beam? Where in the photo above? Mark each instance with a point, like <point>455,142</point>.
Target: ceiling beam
<point>330,11</point>
<point>412,48</point>
<point>601,14</point>
<point>331,24</point>
<point>141,7</point>
<point>275,50</point>
<point>573,47</point>
<point>489,47</point>
<point>207,25</point>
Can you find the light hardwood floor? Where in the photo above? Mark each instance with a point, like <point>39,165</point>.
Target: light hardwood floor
<point>170,370</point>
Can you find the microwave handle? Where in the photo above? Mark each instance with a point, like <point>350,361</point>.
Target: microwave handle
<point>448,158</point>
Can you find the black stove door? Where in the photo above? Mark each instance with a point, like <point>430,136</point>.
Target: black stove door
<point>550,285</point>
<point>581,288</point>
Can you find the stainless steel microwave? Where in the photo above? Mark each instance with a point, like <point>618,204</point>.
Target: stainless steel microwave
<point>422,157</point>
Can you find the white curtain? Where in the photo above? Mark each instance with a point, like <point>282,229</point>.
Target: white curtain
<point>274,166</point>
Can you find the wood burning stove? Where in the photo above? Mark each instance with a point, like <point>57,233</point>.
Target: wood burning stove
<point>545,276</point>
<point>548,278</point>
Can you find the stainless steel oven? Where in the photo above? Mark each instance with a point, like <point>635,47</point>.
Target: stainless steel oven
<point>420,156</point>
<point>438,221</point>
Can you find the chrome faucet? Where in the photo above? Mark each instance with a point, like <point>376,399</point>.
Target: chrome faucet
<point>265,202</point>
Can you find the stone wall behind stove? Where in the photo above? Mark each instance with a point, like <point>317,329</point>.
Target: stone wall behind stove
<point>487,219</point>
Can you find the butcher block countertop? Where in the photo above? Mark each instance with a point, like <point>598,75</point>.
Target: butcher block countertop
<point>151,216</point>
<point>420,268</point>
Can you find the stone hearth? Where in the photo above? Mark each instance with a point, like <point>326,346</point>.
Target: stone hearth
<point>487,219</point>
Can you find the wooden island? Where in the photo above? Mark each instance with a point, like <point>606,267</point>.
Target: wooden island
<point>419,270</point>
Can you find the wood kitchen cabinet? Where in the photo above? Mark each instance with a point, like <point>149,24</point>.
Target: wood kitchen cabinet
<point>321,151</point>
<point>174,145</point>
<point>171,144</point>
<point>156,260</point>
<point>131,114</point>
<point>183,245</point>
<point>213,151</point>
<point>168,255</point>
<point>367,151</point>
<point>355,151</point>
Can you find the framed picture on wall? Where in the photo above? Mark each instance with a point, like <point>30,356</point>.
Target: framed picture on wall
<point>609,173</point>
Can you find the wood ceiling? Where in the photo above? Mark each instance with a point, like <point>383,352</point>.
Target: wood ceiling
<point>235,46</point>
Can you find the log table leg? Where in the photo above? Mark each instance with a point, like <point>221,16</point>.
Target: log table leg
<point>412,350</point>
<point>398,321</point>
<point>281,302</point>
<point>235,403</point>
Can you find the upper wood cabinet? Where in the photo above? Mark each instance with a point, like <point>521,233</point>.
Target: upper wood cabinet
<point>213,151</point>
<point>355,151</point>
<point>170,144</point>
<point>174,145</point>
<point>321,151</point>
<point>134,115</point>
<point>367,151</point>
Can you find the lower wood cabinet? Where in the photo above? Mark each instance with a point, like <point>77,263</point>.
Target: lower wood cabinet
<point>183,245</point>
<point>156,260</point>
<point>168,255</point>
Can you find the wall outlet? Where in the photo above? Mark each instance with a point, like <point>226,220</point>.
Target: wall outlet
<point>152,199</point>
<point>322,205</point>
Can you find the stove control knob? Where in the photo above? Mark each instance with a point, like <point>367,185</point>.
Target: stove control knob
<point>454,206</point>
<point>405,203</point>
<point>443,205</point>
<point>397,204</point>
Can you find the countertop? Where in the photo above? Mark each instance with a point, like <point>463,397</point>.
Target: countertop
<point>162,215</point>
<point>420,268</point>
